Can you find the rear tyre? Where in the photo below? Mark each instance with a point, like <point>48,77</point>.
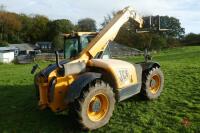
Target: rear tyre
<point>153,82</point>
<point>95,107</point>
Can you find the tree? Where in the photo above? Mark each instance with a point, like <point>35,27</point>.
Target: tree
<point>27,24</point>
<point>56,28</point>
<point>107,19</point>
<point>59,26</point>
<point>154,39</point>
<point>174,26</point>
<point>16,28</point>
<point>58,42</point>
<point>191,39</point>
<point>39,30</point>
<point>87,25</point>
<point>158,42</point>
<point>10,26</point>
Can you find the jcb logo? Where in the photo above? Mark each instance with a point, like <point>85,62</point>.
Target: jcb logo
<point>123,75</point>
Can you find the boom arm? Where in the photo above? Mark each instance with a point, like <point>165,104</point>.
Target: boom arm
<point>109,32</point>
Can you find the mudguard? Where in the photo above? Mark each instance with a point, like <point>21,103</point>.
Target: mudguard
<point>77,86</point>
<point>149,65</point>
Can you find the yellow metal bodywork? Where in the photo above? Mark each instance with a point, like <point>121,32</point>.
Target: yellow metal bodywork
<point>61,87</point>
<point>109,32</point>
<point>60,90</point>
<point>124,73</point>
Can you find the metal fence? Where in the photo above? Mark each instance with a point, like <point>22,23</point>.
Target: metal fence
<point>48,56</point>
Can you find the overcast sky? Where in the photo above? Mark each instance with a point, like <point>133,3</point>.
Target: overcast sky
<point>188,11</point>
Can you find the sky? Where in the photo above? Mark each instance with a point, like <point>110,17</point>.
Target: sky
<point>187,11</point>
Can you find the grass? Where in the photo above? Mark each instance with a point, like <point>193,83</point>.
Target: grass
<point>177,110</point>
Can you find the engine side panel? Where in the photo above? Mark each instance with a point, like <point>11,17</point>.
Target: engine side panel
<point>124,73</point>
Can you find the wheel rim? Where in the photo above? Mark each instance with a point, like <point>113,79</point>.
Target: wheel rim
<point>155,84</point>
<point>98,107</point>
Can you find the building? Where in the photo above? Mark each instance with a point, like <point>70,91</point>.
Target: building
<point>44,46</point>
<point>7,54</point>
<point>23,48</point>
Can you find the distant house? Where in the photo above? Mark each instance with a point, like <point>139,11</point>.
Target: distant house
<point>44,46</point>
<point>7,54</point>
<point>23,48</point>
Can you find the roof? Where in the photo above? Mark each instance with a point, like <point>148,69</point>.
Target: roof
<point>7,49</point>
<point>124,50</point>
<point>42,43</point>
<point>23,46</point>
<point>80,33</point>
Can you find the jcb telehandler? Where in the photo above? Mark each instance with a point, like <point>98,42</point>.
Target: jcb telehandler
<point>89,82</point>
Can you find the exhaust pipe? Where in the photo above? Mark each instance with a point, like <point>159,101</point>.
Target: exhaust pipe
<point>57,60</point>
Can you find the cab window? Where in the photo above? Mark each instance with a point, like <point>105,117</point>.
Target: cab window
<point>106,54</point>
<point>71,47</point>
<point>85,40</point>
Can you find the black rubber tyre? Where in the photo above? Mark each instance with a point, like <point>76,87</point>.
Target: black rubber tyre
<point>153,82</point>
<point>94,108</point>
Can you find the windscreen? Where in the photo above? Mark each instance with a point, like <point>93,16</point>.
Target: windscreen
<point>85,40</point>
<point>71,47</point>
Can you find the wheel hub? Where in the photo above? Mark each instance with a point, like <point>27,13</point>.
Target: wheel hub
<point>96,105</point>
<point>155,84</point>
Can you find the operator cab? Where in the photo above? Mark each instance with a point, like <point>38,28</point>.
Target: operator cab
<point>76,42</point>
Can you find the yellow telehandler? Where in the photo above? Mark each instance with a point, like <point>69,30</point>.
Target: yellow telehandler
<point>89,82</point>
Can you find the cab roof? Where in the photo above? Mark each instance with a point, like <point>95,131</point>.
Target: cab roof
<point>79,34</point>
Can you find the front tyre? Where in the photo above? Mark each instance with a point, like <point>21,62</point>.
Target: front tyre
<point>153,82</point>
<point>95,106</point>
